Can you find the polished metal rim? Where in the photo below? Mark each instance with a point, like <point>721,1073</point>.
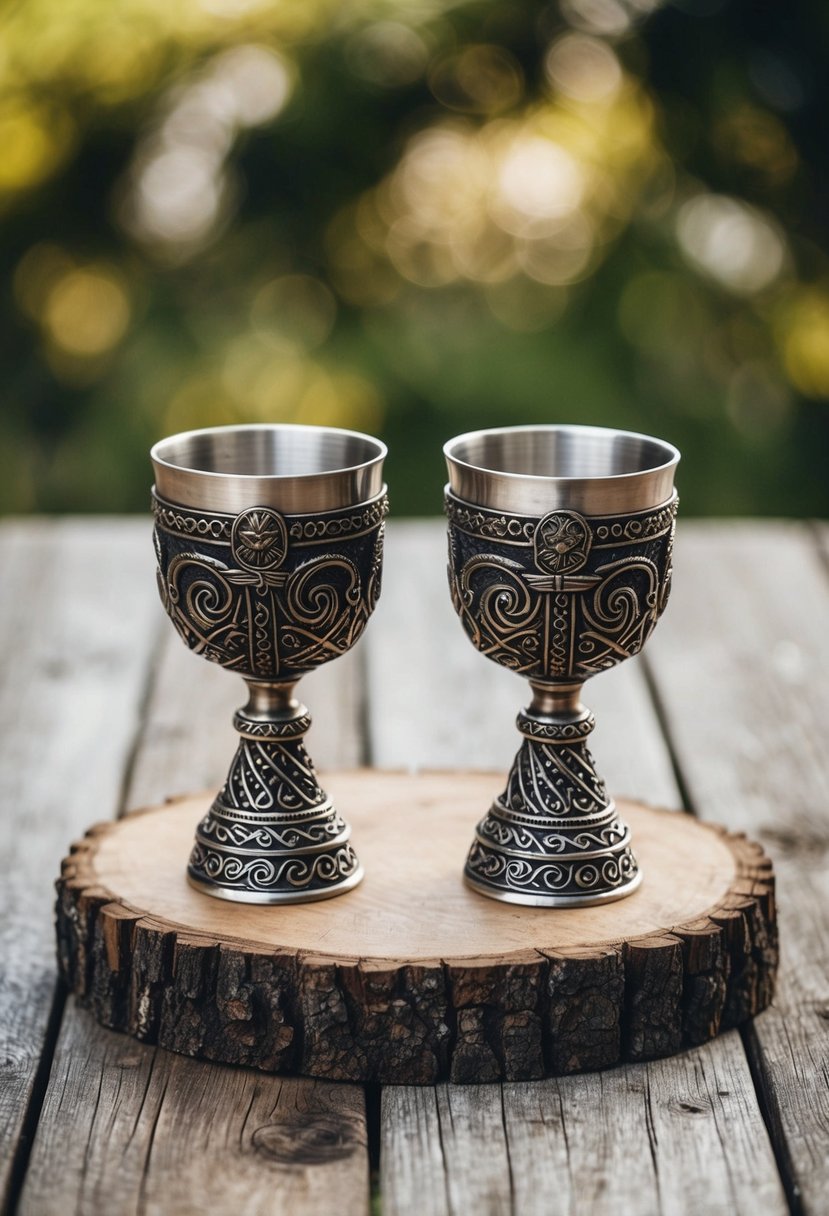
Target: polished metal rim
<point>536,469</point>
<point>319,469</point>
<point>552,901</point>
<point>237,895</point>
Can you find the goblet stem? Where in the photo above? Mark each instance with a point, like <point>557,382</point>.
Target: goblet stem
<point>272,835</point>
<point>554,837</point>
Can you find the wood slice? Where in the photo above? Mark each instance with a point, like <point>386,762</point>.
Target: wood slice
<point>412,977</point>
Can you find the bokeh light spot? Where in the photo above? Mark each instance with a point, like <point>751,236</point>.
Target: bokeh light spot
<point>477,79</point>
<point>583,68</point>
<point>388,54</point>
<point>34,143</point>
<point>804,337</point>
<point>560,258</point>
<point>87,311</point>
<point>605,17</point>
<point>730,242</point>
<point>179,188</point>
<point>256,83</point>
<point>179,196</point>
<point>758,402</point>
<point>537,180</point>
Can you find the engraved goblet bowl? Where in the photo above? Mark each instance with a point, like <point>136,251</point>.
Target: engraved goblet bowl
<point>269,542</point>
<point>560,543</point>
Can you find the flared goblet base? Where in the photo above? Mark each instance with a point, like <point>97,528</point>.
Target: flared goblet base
<point>272,836</point>
<point>554,837</point>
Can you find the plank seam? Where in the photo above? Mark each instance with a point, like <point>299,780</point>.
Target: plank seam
<point>777,1138</point>
<point>663,721</point>
<point>372,1098</point>
<point>40,1084</point>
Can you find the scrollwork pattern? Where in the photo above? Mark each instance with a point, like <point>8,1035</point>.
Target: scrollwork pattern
<point>498,611</point>
<point>265,874</point>
<point>259,596</point>
<point>619,615</point>
<point>517,837</point>
<point>565,609</point>
<point>543,876</point>
<point>246,834</point>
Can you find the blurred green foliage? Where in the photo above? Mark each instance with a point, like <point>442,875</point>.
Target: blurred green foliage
<point>414,218</point>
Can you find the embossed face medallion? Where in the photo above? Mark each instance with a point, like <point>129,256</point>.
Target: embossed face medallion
<point>259,539</point>
<point>562,542</point>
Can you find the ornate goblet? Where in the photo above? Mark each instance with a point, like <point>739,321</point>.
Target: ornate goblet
<point>269,542</point>
<point>560,542</point>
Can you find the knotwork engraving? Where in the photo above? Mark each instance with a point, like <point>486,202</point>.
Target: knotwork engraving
<point>273,607</point>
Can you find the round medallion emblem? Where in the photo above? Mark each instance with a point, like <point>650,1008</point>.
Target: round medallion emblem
<point>562,542</point>
<point>259,539</point>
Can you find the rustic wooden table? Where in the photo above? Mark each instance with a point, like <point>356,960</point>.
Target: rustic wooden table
<point>102,710</point>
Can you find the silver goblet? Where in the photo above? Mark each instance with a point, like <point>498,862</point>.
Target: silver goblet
<point>560,543</point>
<point>269,542</point>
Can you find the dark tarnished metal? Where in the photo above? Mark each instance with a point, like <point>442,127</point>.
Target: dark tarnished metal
<point>557,598</point>
<point>271,596</point>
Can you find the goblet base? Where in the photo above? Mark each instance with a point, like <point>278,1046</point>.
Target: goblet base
<point>551,901</point>
<point>272,835</point>
<point>554,838</point>
<point>234,895</point>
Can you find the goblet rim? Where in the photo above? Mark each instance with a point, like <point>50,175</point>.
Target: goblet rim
<point>184,483</point>
<point>548,427</point>
<point>535,493</point>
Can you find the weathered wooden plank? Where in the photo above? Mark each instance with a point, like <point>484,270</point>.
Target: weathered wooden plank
<point>77,624</point>
<point>680,1135</point>
<point>667,1137</point>
<point>129,1127</point>
<point>742,669</point>
<point>575,1144</point>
